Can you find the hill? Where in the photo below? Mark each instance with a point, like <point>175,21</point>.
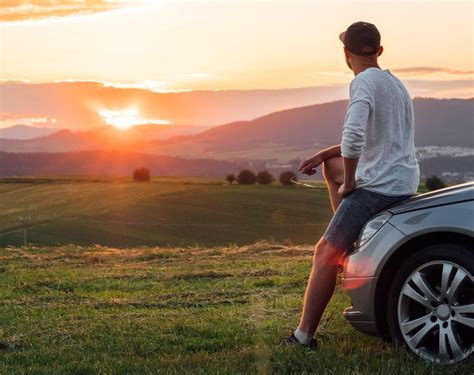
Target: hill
<point>101,138</point>
<point>453,169</point>
<point>145,132</point>
<point>279,136</point>
<point>110,163</point>
<point>297,132</point>
<point>152,131</point>
<point>25,132</point>
<point>166,211</point>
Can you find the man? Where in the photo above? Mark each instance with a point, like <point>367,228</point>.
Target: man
<point>373,167</point>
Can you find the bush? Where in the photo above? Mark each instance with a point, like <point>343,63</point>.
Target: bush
<point>285,178</point>
<point>141,174</point>
<point>434,183</point>
<point>265,178</point>
<point>230,178</point>
<point>246,177</point>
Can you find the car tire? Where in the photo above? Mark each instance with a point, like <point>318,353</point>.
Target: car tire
<point>439,327</point>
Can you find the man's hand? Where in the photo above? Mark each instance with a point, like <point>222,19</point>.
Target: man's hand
<point>308,166</point>
<point>346,188</point>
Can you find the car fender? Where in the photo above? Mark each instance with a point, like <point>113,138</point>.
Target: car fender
<point>457,217</point>
<point>370,259</point>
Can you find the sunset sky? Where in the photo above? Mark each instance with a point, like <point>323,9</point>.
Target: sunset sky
<point>230,44</point>
<point>166,46</point>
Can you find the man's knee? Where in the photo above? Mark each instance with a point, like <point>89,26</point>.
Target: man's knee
<point>333,170</point>
<point>326,254</point>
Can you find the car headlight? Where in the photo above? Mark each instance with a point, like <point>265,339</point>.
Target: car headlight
<point>372,227</point>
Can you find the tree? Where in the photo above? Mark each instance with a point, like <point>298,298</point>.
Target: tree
<point>434,183</point>
<point>265,178</point>
<point>246,177</point>
<point>285,178</point>
<point>230,178</point>
<point>141,174</point>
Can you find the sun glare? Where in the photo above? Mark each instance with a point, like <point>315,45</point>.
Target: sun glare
<point>125,119</point>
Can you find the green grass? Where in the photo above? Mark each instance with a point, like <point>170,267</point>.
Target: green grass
<point>168,211</point>
<point>184,286</point>
<point>97,310</point>
<point>165,212</point>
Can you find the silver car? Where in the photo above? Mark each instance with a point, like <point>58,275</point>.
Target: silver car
<point>410,275</point>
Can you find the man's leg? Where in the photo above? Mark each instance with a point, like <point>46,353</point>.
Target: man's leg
<point>333,172</point>
<point>322,280</point>
<point>321,285</point>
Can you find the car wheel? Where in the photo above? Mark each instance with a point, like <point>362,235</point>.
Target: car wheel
<point>431,303</point>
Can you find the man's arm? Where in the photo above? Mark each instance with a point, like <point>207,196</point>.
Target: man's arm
<point>360,104</point>
<point>329,152</point>
<point>353,135</point>
<point>350,166</point>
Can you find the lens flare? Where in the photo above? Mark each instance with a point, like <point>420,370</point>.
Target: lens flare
<point>125,119</point>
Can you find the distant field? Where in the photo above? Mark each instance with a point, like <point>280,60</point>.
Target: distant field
<point>167,211</point>
<point>97,310</point>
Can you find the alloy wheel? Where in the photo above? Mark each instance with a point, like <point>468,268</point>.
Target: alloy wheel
<point>436,312</point>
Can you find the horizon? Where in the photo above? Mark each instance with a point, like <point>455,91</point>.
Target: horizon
<point>50,123</point>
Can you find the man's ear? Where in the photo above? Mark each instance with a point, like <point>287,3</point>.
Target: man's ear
<point>346,52</point>
<point>380,51</point>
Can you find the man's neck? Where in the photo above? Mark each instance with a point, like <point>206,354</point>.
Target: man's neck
<point>361,68</point>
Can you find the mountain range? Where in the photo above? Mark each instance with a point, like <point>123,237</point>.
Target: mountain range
<point>26,139</point>
<point>108,163</point>
<point>26,132</point>
<point>444,136</point>
<point>278,137</point>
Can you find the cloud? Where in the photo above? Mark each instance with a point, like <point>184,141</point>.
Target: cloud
<point>458,88</point>
<point>416,70</point>
<point>442,85</point>
<point>10,119</point>
<point>20,10</point>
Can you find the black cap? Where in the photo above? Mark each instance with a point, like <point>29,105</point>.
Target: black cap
<point>361,38</point>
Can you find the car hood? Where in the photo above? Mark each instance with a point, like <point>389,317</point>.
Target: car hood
<point>449,195</point>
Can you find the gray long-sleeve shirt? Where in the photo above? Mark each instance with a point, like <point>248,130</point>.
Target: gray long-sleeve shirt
<point>379,130</point>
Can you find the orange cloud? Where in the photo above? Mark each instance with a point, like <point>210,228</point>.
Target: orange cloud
<point>416,70</point>
<point>20,10</point>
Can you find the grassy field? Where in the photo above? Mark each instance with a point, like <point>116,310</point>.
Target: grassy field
<point>166,211</point>
<point>173,276</point>
<point>89,310</point>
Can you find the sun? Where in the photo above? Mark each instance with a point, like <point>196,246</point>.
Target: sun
<point>127,118</point>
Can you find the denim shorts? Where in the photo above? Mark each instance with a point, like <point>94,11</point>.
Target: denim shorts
<point>353,212</point>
